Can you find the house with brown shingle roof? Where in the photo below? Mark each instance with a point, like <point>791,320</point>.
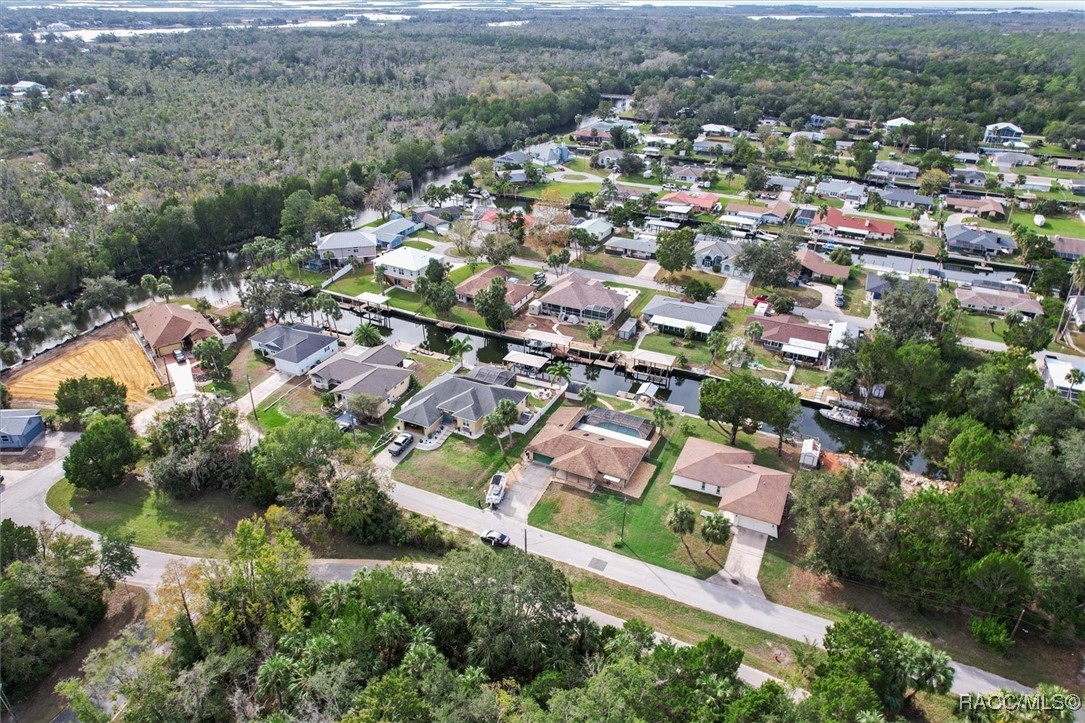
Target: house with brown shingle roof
<point>996,301</point>
<point>587,299</point>
<point>583,453</point>
<point>516,295</point>
<point>751,496</point>
<point>793,337</point>
<point>819,269</point>
<point>986,207</point>
<point>166,327</point>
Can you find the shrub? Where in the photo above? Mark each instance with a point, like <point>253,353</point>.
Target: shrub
<point>991,634</point>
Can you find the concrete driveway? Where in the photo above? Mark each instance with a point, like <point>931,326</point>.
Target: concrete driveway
<point>524,493</point>
<point>744,561</point>
<point>181,374</point>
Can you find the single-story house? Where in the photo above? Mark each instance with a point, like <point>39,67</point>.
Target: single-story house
<point>751,496</point>
<point>583,298</point>
<point>846,190</point>
<point>775,213</point>
<point>516,295</point>
<point>986,207</point>
<point>967,158</point>
<point>702,202</point>
<point>814,136</point>
<point>19,428</point>
<point>166,327</point>
<point>342,245</point>
<point>1002,133</point>
<point>895,123</point>
<point>835,223</point>
<point>995,301</point>
<point>819,269</point>
<point>968,177</point>
<point>793,337</point>
<point>512,159</point>
<point>963,239</point>
<point>585,448</point>
<point>782,183</point>
<point>1055,373</point>
<point>1012,159</point>
<point>877,285</point>
<point>608,158</point>
<point>490,219</point>
<point>599,228</point>
<point>295,349</point>
<point>517,176</point>
<point>1070,249</point>
<point>1070,165</point>
<point>718,130</point>
<point>893,170</point>
<point>590,136</point>
<point>686,174</point>
<point>404,265</point>
<point>555,155</point>
<point>711,146</point>
<point>24,86</point>
<point>710,252</point>
<point>641,247</point>
<point>377,371</point>
<point>903,198</point>
<point>674,317</point>
<point>393,233</point>
<point>457,403</point>
<point>445,213</point>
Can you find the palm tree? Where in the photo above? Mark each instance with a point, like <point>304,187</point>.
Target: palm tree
<point>1075,377</point>
<point>589,397</point>
<point>715,342</point>
<point>560,370</point>
<point>661,417</point>
<point>755,330</point>
<point>392,630</point>
<point>164,286</point>
<point>1077,278</point>
<point>330,309</point>
<point>942,254</point>
<point>274,676</point>
<point>716,530</point>
<point>458,347</point>
<point>494,426</point>
<point>915,246</point>
<point>508,413</point>
<point>681,519</point>
<point>149,283</point>
<point>378,276</point>
<point>367,335</point>
<point>334,597</point>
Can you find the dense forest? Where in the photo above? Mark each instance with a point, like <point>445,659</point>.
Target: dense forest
<point>243,117</point>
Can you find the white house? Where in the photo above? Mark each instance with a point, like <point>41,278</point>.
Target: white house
<point>600,229</point>
<point>751,496</point>
<point>1002,133</point>
<point>1056,372</point>
<point>719,131</point>
<point>896,123</point>
<point>342,245</point>
<point>404,265</point>
<point>296,349</point>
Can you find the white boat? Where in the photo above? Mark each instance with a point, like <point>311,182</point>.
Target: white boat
<point>842,416</point>
<point>496,492</point>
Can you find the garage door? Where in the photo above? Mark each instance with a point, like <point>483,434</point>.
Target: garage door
<point>542,458</point>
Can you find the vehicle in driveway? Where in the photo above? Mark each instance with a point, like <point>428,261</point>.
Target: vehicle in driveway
<point>179,356</point>
<point>400,444</point>
<point>493,538</point>
<point>496,493</point>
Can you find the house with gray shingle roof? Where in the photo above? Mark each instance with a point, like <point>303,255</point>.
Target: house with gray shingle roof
<point>642,247</point>
<point>377,371</point>
<point>456,402</point>
<point>963,239</point>
<point>903,198</point>
<point>710,252</point>
<point>295,349</point>
<point>674,317</point>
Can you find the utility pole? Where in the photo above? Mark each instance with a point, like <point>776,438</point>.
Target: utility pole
<point>255,413</point>
<point>525,539</point>
<point>1017,624</point>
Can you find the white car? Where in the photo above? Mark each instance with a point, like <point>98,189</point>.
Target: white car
<point>496,493</point>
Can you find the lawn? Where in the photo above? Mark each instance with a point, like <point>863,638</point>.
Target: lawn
<point>697,353</point>
<point>582,165</point>
<point>1029,662</point>
<point>597,518</point>
<point>855,300</point>
<point>609,263</point>
<point>427,368</point>
<point>299,400</point>
<point>418,244</point>
<point>646,295</point>
<point>565,190</point>
<point>461,468</point>
<point>249,364</point>
<point>762,650</point>
<point>296,273</point>
<point>1054,225</point>
<point>679,279</point>
<point>190,527</point>
<point>357,281</point>
<point>981,326</point>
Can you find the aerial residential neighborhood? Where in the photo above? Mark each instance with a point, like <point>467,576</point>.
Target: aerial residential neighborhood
<point>450,363</point>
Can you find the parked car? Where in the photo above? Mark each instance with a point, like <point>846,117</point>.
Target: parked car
<point>496,492</point>
<point>493,538</point>
<point>179,356</point>
<point>399,444</point>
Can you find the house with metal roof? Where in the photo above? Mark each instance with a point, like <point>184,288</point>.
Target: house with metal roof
<point>454,403</point>
<point>674,317</point>
<point>793,337</point>
<point>392,233</point>
<point>19,428</point>
<point>1002,133</point>
<point>1056,374</point>
<point>341,246</point>
<point>405,265</point>
<point>296,349</point>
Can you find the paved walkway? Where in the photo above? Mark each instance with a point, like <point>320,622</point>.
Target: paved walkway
<point>261,392</point>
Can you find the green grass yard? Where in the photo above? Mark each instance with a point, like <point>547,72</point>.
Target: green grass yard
<point>1054,225</point>
<point>597,518</point>
<point>981,326</point>
<point>565,190</point>
<point>609,263</point>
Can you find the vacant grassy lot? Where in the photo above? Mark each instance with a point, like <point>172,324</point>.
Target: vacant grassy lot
<point>597,518</point>
<point>1053,225</point>
<point>299,400</point>
<point>611,264</point>
<point>679,279</point>
<point>646,295</point>
<point>855,300</point>
<point>191,527</point>
<point>565,190</point>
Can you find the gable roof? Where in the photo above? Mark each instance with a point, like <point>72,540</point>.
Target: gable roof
<point>364,370</point>
<point>747,489</point>
<point>574,291</point>
<point>458,396</point>
<point>836,219</point>
<point>17,422</point>
<point>583,452</point>
<point>643,244</point>
<point>514,293</point>
<point>705,245</point>
<point>168,324</point>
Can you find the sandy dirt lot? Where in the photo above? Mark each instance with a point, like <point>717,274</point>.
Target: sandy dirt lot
<point>111,351</point>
